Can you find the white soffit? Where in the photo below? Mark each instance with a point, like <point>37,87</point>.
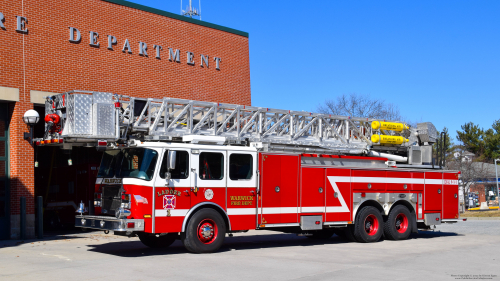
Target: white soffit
<point>37,96</point>
<point>9,94</point>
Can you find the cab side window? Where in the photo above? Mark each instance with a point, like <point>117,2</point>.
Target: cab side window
<point>211,166</point>
<point>240,166</point>
<point>181,170</point>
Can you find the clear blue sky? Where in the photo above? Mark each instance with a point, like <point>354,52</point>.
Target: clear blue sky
<point>439,61</point>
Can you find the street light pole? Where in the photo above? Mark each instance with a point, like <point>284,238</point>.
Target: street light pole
<point>498,190</point>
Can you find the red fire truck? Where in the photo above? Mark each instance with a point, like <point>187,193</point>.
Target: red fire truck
<point>196,171</point>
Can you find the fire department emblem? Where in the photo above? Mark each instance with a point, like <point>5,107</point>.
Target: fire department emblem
<point>169,202</point>
<point>209,194</point>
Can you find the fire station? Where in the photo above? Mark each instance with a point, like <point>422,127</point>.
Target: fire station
<point>111,45</point>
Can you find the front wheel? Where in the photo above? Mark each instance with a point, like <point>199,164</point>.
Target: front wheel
<point>205,232</point>
<point>156,240</point>
<point>368,225</point>
<point>397,226</point>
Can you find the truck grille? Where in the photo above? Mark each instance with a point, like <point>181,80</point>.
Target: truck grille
<point>111,199</point>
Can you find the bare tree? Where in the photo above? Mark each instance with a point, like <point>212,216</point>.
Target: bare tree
<point>361,106</point>
<point>471,170</point>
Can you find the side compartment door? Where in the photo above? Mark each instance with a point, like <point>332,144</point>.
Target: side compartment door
<point>270,197</point>
<point>289,188</point>
<point>338,195</point>
<point>312,191</point>
<point>418,187</point>
<point>279,189</point>
<point>450,196</point>
<point>433,191</point>
<point>209,175</point>
<point>241,189</point>
<point>171,197</point>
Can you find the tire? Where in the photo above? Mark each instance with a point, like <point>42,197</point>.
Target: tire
<point>322,234</point>
<point>398,224</point>
<point>153,241</point>
<point>205,232</point>
<point>368,226</point>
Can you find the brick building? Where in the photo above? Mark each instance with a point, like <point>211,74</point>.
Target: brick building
<point>101,45</point>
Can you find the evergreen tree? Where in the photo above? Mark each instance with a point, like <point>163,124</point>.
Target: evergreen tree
<point>472,138</point>
<point>492,141</point>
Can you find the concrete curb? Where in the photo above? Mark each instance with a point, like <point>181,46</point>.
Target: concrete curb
<point>482,219</point>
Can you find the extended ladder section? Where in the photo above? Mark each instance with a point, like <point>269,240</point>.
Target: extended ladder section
<point>86,118</point>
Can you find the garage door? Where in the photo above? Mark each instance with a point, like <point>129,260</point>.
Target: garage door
<point>4,165</point>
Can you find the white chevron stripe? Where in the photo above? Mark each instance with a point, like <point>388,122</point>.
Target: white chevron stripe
<point>343,206</point>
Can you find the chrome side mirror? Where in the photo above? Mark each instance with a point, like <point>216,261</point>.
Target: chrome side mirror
<point>172,155</point>
<point>168,176</point>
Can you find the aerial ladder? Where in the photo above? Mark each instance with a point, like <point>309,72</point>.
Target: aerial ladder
<point>104,120</point>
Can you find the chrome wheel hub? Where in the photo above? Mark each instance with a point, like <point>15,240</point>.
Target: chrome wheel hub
<point>207,231</point>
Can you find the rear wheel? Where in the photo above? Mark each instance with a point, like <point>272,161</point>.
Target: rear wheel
<point>156,240</point>
<point>205,232</point>
<point>397,226</point>
<point>368,225</point>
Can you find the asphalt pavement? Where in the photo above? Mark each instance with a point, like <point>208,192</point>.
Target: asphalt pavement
<point>464,251</point>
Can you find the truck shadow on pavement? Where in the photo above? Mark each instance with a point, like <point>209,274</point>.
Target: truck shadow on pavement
<point>432,234</point>
<point>50,235</point>
<point>14,243</point>
<point>134,248</point>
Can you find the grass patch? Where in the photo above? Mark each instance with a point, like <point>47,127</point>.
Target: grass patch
<point>480,214</point>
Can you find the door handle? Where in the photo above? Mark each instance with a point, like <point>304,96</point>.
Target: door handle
<point>195,180</point>
<point>277,189</point>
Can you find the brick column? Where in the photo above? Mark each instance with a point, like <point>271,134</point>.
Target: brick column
<point>22,172</point>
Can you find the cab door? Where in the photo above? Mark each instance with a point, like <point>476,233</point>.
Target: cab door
<point>208,177</point>
<point>172,198</point>
<point>242,189</point>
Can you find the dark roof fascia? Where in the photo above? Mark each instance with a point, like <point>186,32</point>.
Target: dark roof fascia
<point>177,17</point>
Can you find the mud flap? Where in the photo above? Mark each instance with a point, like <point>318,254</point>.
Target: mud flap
<point>414,228</point>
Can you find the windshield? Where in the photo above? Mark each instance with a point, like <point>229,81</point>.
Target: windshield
<point>109,163</point>
<point>129,163</point>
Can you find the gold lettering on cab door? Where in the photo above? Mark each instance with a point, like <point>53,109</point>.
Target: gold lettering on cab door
<point>241,200</point>
<point>169,191</point>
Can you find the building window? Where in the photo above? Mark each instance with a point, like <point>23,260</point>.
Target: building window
<point>211,166</point>
<point>240,166</point>
<point>181,170</point>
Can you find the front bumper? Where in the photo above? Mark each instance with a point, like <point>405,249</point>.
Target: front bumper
<point>109,223</point>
